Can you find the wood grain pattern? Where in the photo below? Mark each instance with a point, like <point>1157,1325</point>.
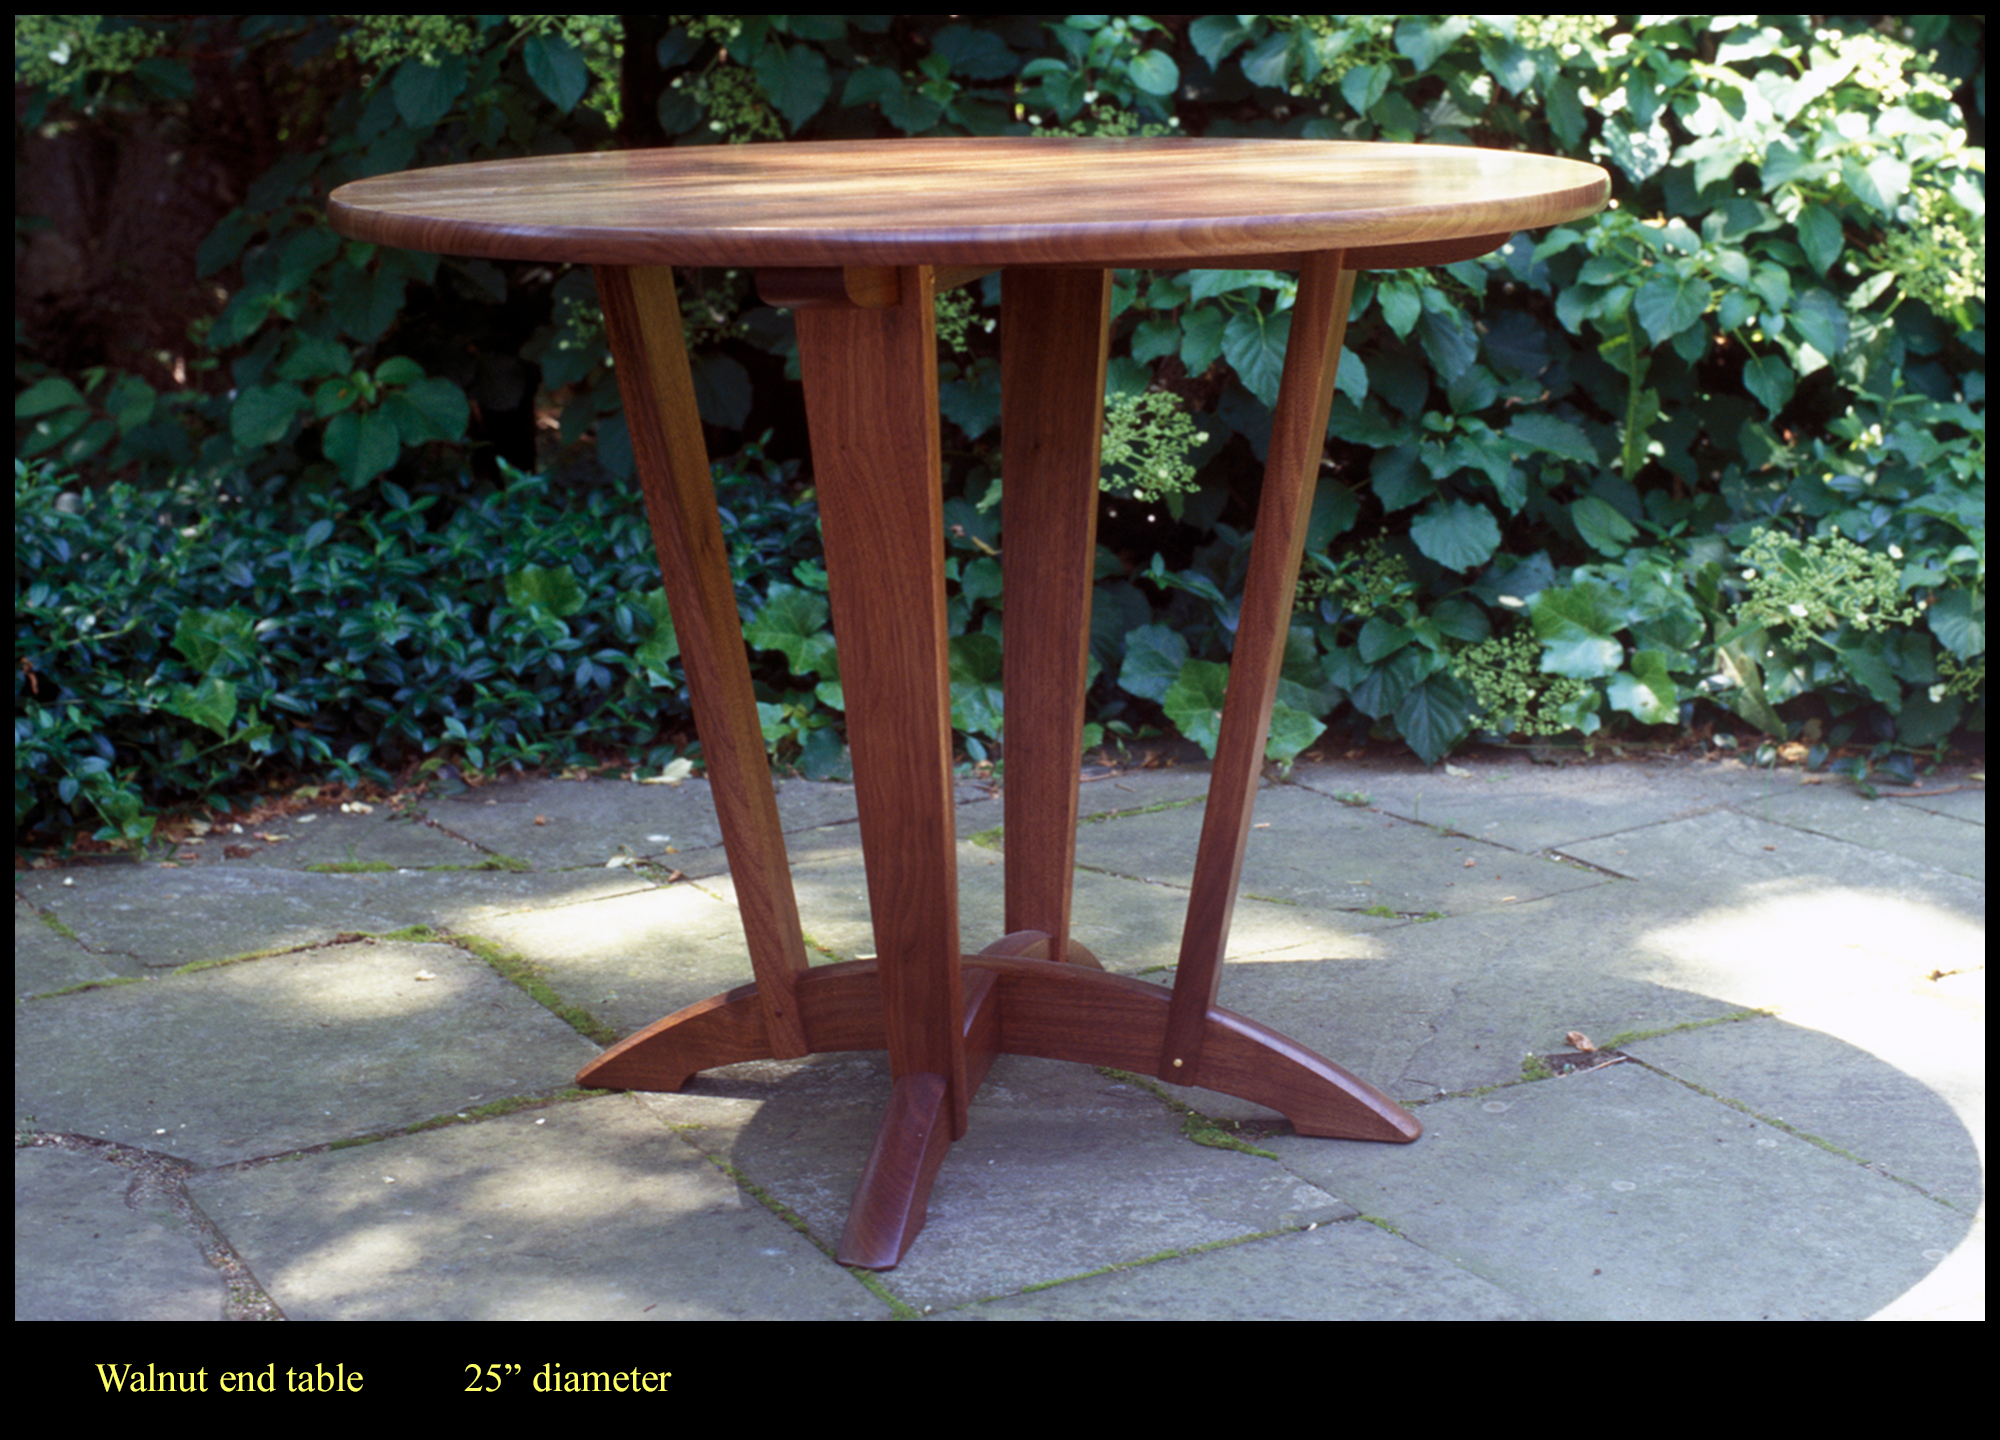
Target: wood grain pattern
<point>993,201</point>
<point>871,403</point>
<point>1053,333</point>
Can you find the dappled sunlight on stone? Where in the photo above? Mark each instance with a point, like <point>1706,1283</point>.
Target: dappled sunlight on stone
<point>1794,935</point>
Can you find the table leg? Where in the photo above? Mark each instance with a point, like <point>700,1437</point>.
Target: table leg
<point>643,318</point>
<point>1298,436</point>
<point>1053,330</point>
<point>870,378</point>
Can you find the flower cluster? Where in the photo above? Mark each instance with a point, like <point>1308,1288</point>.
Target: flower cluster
<point>957,312</point>
<point>1567,35</point>
<point>1939,257</point>
<point>732,103</point>
<point>1511,694</point>
<point>1885,68</point>
<point>1370,581</point>
<point>61,51</point>
<point>1820,582</point>
<point>1147,439</point>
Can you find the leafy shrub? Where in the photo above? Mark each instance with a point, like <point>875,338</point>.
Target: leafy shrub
<point>1566,481</point>
<point>166,650</point>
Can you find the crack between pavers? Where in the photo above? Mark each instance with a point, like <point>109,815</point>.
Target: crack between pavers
<point>161,1178</point>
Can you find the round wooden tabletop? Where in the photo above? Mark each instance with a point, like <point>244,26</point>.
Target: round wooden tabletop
<point>1007,201</point>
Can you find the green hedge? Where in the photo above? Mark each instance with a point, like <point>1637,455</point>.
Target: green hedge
<point>1724,444</point>
<point>170,654</point>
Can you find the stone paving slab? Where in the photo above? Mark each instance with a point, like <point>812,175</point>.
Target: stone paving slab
<point>1622,1194</point>
<point>1893,1080</point>
<point>293,1050</point>
<point>1510,800</point>
<point>140,919</point>
<point>1309,849</point>
<point>91,1242</point>
<point>593,1211</point>
<point>1349,1271</point>
<point>1007,1211</point>
<point>1796,976</point>
<point>1914,832</point>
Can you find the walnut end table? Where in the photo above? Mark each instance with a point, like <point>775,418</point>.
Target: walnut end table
<point>857,237</point>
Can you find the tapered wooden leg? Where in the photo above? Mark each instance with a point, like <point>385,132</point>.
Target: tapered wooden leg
<point>1053,326</point>
<point>643,317</point>
<point>1298,436</point>
<point>871,403</point>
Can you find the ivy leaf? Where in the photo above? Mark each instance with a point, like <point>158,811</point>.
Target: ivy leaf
<point>1542,431</point>
<point>1194,702</point>
<point>1821,319</point>
<point>659,648</point>
<point>554,589</point>
<point>976,54</point>
<point>1267,61</point>
<point>431,409</point>
<point>1746,696</point>
<point>211,704</point>
<point>1669,303</point>
<point>1647,691</point>
<point>1577,626</point>
<point>1459,536</point>
<point>262,414</point>
<point>1447,335</point>
<point>1254,344</point>
<point>1154,72</point>
<point>794,622</point>
<point>425,93</point>
<point>975,684</point>
<point>1424,38</point>
<point>362,445</point>
<point>557,70</point>
<point>1770,379</point>
<point>1399,477</point>
<point>1201,337</point>
<point>1154,656</point>
<point>1402,305</point>
<point>721,390</point>
<point>52,392</point>
<point>1819,236</point>
<point>1214,36</point>
<point>1878,183</point>
<point>1291,731</point>
<point>796,79</point>
<point>1639,153</point>
<point>1959,622</point>
<point>1602,527</point>
<point>1435,715</point>
<point>1364,86</point>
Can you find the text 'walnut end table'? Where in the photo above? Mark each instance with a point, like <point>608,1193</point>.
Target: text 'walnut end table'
<point>856,237</point>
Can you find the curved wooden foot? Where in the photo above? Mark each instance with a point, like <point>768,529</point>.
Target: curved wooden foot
<point>1066,1012</point>
<point>840,1007</point>
<point>892,1200</point>
<point>1039,1007</point>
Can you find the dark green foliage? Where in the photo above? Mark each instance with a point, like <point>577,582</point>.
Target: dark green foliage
<point>166,650</point>
<point>1721,445</point>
